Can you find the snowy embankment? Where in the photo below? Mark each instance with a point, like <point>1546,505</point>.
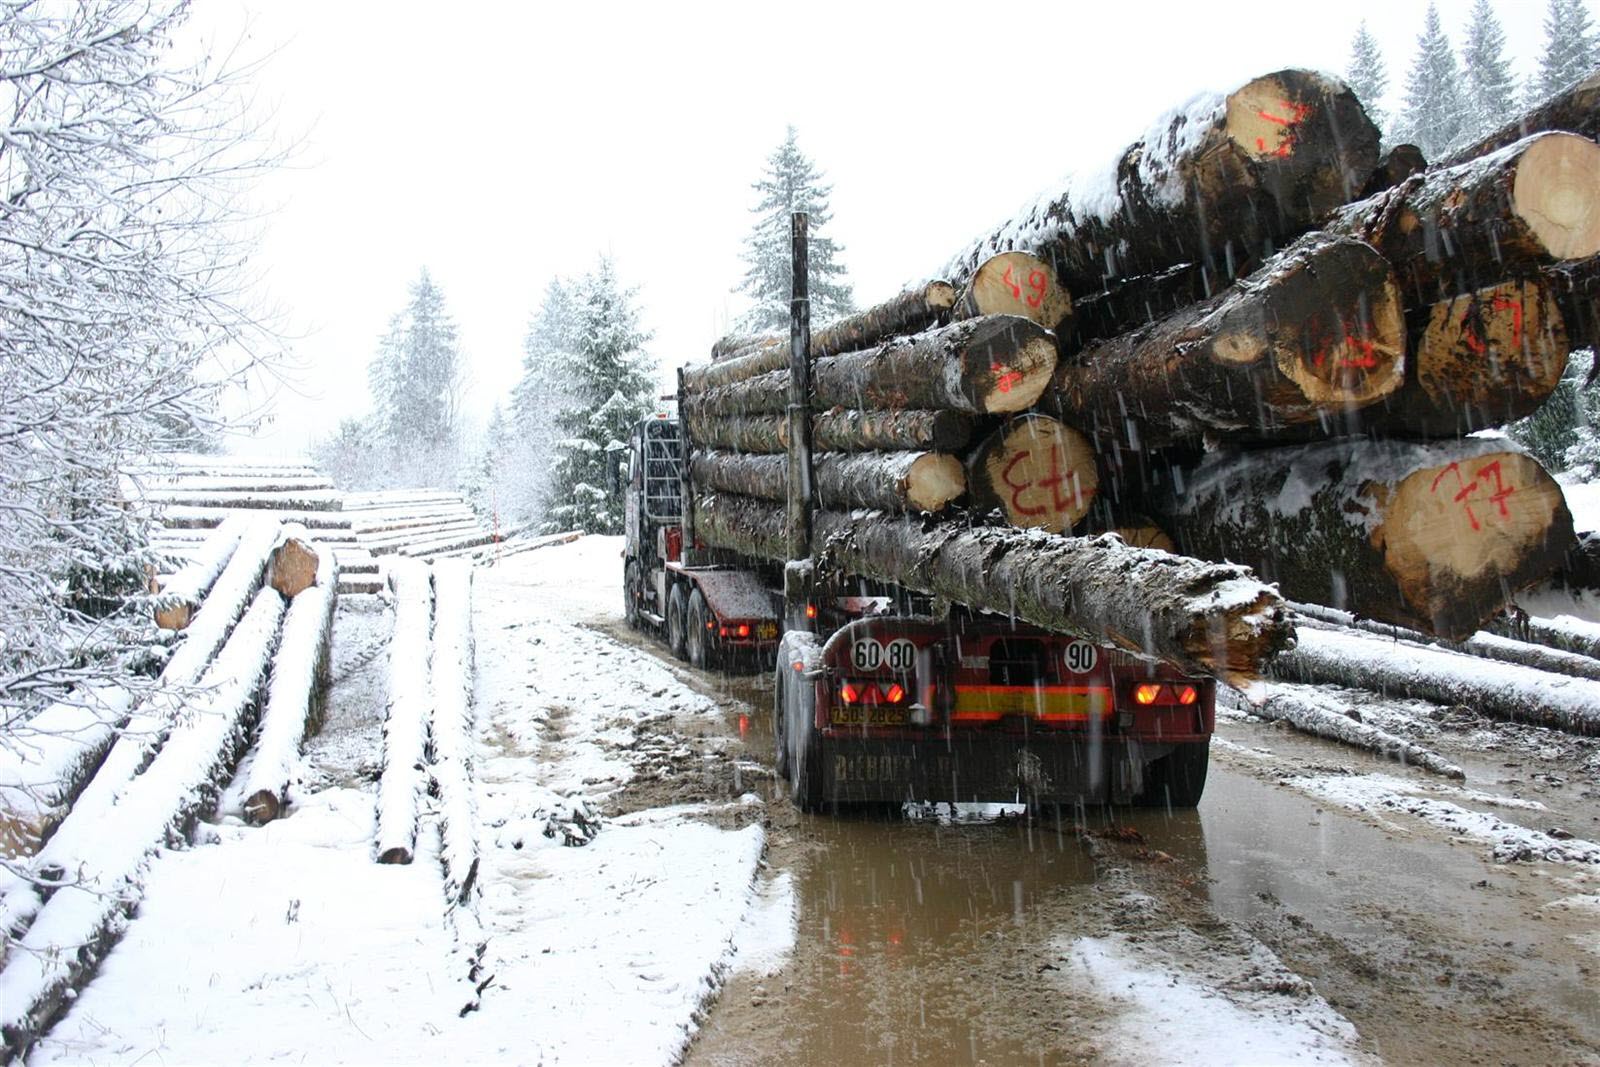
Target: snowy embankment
<point>604,953</point>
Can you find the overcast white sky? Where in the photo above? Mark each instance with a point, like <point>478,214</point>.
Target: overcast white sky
<point>501,144</point>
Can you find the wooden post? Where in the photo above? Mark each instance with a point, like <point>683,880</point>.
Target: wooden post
<point>796,591</point>
<point>685,489</point>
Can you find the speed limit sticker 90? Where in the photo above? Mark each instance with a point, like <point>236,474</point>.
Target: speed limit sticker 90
<point>1081,657</point>
<point>867,654</point>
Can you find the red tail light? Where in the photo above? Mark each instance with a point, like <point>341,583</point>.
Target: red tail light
<point>811,611</point>
<point>850,693</point>
<point>1188,694</point>
<point>894,694</point>
<point>744,629</point>
<point>1146,694</point>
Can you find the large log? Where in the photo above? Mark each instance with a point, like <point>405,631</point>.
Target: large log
<point>1575,109</point>
<point>1459,229</point>
<point>1039,473</point>
<point>1317,331</point>
<point>405,727</point>
<point>1434,537</point>
<point>992,365</point>
<point>839,430</point>
<point>735,359</point>
<point>890,481</point>
<point>1015,283</point>
<point>1215,184</point>
<point>180,595</point>
<point>293,566</point>
<point>1208,618</point>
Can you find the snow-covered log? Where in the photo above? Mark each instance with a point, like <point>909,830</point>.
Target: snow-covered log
<point>839,430</point>
<point>293,565</point>
<point>181,594</point>
<point>1015,283</point>
<point>890,481</point>
<point>295,696</point>
<point>1038,473</point>
<point>1458,229</point>
<point>992,365</point>
<point>46,761</point>
<point>736,359</point>
<point>1502,690</point>
<point>1435,537</point>
<point>1483,645</point>
<point>1564,632</point>
<point>100,880</point>
<point>405,729</point>
<point>1209,618</point>
<point>1317,332</point>
<point>1575,109</point>
<point>1213,184</point>
<point>1323,714</point>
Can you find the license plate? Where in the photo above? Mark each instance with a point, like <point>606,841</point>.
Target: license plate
<point>767,631</point>
<point>868,715</point>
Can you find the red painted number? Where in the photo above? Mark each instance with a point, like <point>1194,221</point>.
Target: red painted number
<point>1038,285</point>
<point>1063,491</point>
<point>1298,113</point>
<point>1006,378</point>
<point>1475,342</point>
<point>1489,472</point>
<point>1365,359</point>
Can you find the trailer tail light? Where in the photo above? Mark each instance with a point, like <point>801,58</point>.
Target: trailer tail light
<point>1188,694</point>
<point>1146,694</point>
<point>741,630</point>
<point>850,693</point>
<point>895,694</point>
<point>868,693</point>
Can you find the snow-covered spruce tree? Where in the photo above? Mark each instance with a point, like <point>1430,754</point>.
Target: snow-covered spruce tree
<point>351,456</point>
<point>1571,48</point>
<point>538,401</point>
<point>416,390</point>
<point>1435,114</point>
<point>1561,422</point>
<point>123,168</point>
<point>1367,74</point>
<point>610,387</point>
<point>791,183</point>
<point>1491,87</point>
<point>487,484</point>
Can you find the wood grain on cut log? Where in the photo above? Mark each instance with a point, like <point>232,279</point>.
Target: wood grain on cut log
<point>1435,537</point>
<point>993,365</point>
<point>1317,331</point>
<point>1015,283</point>
<point>735,359</point>
<point>839,430</point>
<point>293,566</point>
<point>1207,618</point>
<point>1458,229</point>
<point>1214,184</point>
<point>890,481</point>
<point>1575,109</point>
<point>1041,474</point>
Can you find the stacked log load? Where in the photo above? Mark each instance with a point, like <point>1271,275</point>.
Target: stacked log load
<point>1248,337</point>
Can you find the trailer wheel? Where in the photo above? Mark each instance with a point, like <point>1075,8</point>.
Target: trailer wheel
<point>675,624</point>
<point>780,725</point>
<point>697,637</point>
<point>632,588</point>
<point>804,744</point>
<point>1176,780</point>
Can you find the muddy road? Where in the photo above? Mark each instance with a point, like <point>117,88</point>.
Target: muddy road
<point>1321,905</point>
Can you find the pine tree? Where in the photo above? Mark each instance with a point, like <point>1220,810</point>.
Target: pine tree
<point>489,483</point>
<point>1570,45</point>
<point>1436,111</point>
<point>415,381</point>
<point>611,387</point>
<point>538,400</point>
<point>1556,433</point>
<point>1366,73</point>
<point>791,183</point>
<point>1492,89</point>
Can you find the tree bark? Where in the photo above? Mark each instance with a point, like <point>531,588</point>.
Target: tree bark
<point>992,365</point>
<point>1317,330</point>
<point>840,430</point>
<point>1213,184</point>
<point>738,358</point>
<point>1575,110</point>
<point>1460,229</point>
<point>1397,164</point>
<point>1207,618</point>
<point>888,481</point>
<point>1015,283</point>
<point>1039,473</point>
<point>1433,537</point>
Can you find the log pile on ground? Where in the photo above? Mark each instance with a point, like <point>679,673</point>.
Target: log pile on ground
<point>405,727</point>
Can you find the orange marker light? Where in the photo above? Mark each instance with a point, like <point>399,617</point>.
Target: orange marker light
<point>1188,694</point>
<point>1146,694</point>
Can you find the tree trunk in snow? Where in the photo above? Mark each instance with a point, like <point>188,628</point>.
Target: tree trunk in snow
<point>1317,331</point>
<point>1015,283</point>
<point>1213,184</point>
<point>888,481</point>
<point>405,728</point>
<point>738,358</point>
<point>1435,537</point>
<point>1041,474</point>
<point>991,365</point>
<point>840,430</point>
<point>1575,110</point>
<point>293,566</point>
<point>1208,618</point>
<point>1459,229</point>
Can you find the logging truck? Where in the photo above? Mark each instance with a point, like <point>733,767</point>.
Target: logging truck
<point>883,695</point>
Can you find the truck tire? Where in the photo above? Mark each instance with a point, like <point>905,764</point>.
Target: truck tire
<point>780,726</point>
<point>676,607</point>
<point>632,587</point>
<point>697,636</point>
<point>805,746</point>
<point>1176,780</point>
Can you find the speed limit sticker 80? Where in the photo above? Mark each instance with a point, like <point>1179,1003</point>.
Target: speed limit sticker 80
<point>1081,657</point>
<point>867,654</point>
